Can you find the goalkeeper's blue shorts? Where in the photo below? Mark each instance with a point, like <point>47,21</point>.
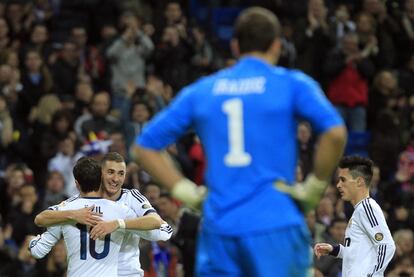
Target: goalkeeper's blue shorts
<point>283,252</point>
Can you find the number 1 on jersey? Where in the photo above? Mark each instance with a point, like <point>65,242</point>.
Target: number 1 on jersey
<point>236,156</point>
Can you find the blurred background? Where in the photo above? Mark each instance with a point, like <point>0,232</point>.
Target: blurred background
<point>83,77</point>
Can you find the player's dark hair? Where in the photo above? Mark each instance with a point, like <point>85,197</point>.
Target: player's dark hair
<point>358,167</point>
<point>255,29</point>
<point>112,157</point>
<point>87,172</point>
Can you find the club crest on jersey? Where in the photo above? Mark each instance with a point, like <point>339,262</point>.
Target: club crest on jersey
<point>379,236</point>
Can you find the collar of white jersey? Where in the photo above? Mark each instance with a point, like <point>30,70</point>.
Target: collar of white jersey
<point>356,205</point>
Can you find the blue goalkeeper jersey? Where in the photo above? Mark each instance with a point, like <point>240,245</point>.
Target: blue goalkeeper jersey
<point>246,117</point>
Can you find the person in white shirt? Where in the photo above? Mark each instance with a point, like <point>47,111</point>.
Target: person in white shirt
<point>86,257</point>
<point>150,224</point>
<point>368,246</point>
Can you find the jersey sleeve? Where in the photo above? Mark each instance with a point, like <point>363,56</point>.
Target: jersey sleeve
<point>373,223</point>
<point>139,203</point>
<point>164,233</point>
<point>42,244</point>
<point>170,124</point>
<point>312,105</point>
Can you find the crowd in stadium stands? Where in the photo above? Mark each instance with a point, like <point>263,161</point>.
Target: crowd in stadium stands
<point>83,77</point>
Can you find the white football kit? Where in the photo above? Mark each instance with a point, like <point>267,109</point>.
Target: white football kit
<point>86,257</point>
<point>128,260</point>
<point>368,245</point>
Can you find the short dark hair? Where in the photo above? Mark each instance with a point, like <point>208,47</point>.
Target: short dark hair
<point>87,173</point>
<point>255,29</point>
<point>112,157</point>
<point>358,167</point>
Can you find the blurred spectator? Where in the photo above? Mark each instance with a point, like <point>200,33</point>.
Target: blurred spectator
<point>161,92</point>
<point>36,81</point>
<point>406,37</point>
<point>171,56</point>
<point>5,41</point>
<point>39,36</point>
<point>349,72</point>
<point>127,56</point>
<point>66,69</point>
<point>6,133</point>
<point>331,266</point>
<point>83,98</point>
<point>15,15</point>
<point>340,24</point>
<point>8,251</point>
<point>152,192</point>
<point>159,259</point>
<point>55,185</point>
<point>140,114</point>
<point>185,225</point>
<point>99,121</point>
<point>288,57</point>
<point>312,39</point>
<point>325,212</point>
<point>383,90</point>
<point>386,142</point>
<point>374,45</point>
<point>22,218</point>
<point>91,60</point>
<point>10,86</point>
<point>316,229</point>
<point>15,177</point>
<point>196,155</point>
<point>403,268</point>
<point>306,147</point>
<point>64,161</point>
<point>56,263</point>
<point>404,242</point>
<point>406,75</point>
<point>202,59</point>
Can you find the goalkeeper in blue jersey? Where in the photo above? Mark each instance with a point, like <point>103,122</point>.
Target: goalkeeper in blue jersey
<point>246,117</point>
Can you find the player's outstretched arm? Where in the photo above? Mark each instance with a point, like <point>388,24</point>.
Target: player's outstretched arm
<point>164,233</point>
<point>41,245</point>
<point>85,216</point>
<point>147,222</point>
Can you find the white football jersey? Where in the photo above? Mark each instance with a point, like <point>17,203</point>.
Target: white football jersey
<point>86,257</point>
<point>128,260</point>
<point>368,245</point>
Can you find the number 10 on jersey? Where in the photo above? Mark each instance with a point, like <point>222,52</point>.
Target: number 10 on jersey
<point>92,251</point>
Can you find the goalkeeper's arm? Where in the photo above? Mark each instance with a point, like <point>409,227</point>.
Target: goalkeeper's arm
<point>159,165</point>
<point>328,152</point>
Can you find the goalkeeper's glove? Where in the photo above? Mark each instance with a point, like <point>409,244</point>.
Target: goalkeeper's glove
<point>189,193</point>
<point>307,193</point>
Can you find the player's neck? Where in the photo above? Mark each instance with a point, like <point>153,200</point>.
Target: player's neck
<point>262,56</point>
<point>113,197</point>
<point>91,194</point>
<point>359,197</point>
